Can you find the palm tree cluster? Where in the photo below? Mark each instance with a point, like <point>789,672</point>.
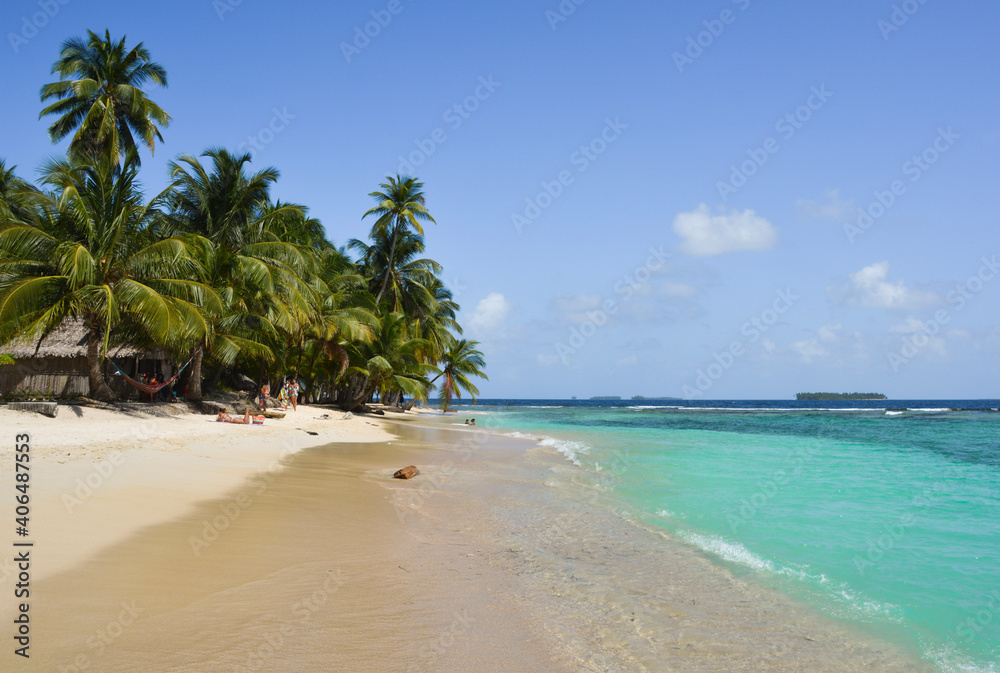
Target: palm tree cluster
<point>213,269</point>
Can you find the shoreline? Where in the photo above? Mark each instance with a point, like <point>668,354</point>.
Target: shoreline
<point>321,553</point>
<point>162,463</point>
<point>495,556</point>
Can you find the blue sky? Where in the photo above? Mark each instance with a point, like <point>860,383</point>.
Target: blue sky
<point>632,198</point>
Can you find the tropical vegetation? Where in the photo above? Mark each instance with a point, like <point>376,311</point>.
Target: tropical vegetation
<point>213,270</point>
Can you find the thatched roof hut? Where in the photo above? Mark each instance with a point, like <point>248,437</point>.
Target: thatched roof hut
<point>69,340</point>
<point>58,363</point>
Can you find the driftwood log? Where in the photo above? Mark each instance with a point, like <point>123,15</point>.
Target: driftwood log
<point>406,473</point>
<point>49,409</point>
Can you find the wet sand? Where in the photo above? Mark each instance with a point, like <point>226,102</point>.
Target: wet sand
<point>319,565</point>
<point>492,559</point>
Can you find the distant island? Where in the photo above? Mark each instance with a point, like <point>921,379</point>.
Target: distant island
<point>609,397</point>
<point>840,396</point>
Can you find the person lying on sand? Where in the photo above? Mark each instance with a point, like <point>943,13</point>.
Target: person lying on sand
<point>226,418</point>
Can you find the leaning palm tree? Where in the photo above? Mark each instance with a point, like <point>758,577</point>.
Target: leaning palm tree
<point>389,363</point>
<point>92,256</point>
<point>99,95</point>
<point>400,206</point>
<point>460,361</point>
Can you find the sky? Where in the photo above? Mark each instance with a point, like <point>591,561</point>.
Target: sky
<point>732,199</point>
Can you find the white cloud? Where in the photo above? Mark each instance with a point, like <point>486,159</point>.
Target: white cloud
<point>912,326</point>
<point>870,287</point>
<point>769,345</point>
<point>833,207</point>
<point>678,290</point>
<point>627,361</point>
<point>705,234</point>
<point>829,332</point>
<point>574,308</point>
<point>809,350</point>
<point>576,303</point>
<point>490,314</point>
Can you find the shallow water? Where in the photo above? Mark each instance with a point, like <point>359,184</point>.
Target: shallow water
<point>888,523</point>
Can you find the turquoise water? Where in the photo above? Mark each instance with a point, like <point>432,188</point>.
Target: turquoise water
<point>888,519</point>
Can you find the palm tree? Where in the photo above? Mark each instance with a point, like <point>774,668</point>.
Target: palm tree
<point>388,364</point>
<point>400,206</point>
<point>93,255</point>
<point>460,361</point>
<point>346,314</point>
<point>404,281</point>
<point>99,95</point>
<point>259,277</point>
<point>16,196</point>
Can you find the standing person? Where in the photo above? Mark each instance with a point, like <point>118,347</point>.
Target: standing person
<point>283,395</point>
<point>265,393</point>
<point>293,390</point>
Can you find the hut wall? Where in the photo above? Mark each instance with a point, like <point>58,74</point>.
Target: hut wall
<point>50,375</point>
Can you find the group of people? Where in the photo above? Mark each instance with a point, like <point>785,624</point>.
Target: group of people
<point>167,394</point>
<point>289,394</point>
<point>468,423</point>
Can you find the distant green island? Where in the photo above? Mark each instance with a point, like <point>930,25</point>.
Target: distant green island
<point>840,396</point>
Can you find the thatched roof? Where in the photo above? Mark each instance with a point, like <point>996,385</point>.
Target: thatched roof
<point>69,340</point>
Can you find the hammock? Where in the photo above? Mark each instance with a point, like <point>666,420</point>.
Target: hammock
<point>148,389</point>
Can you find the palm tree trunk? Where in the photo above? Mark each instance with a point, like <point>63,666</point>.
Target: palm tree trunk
<point>99,390</point>
<point>358,395</point>
<point>388,270</point>
<point>194,378</point>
